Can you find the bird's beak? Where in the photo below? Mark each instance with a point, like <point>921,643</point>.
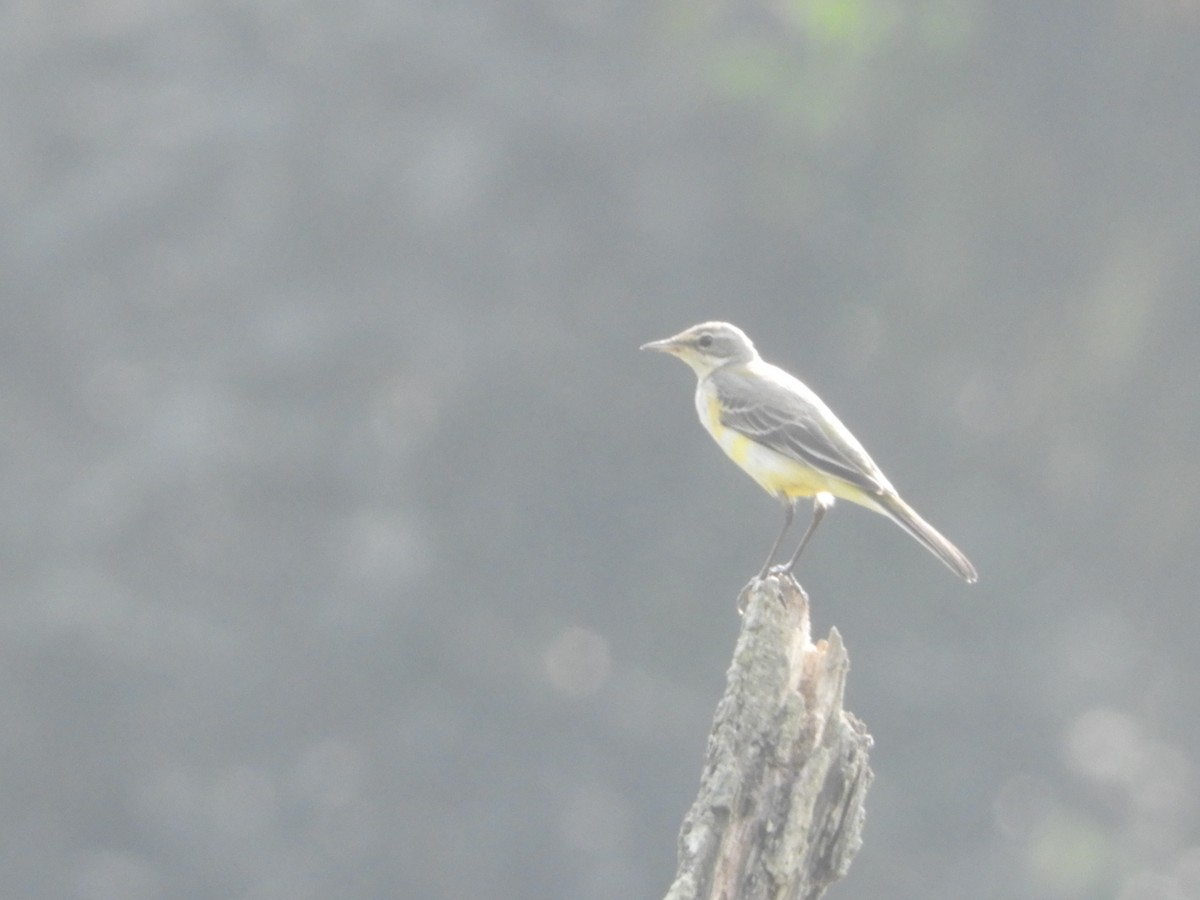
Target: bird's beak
<point>667,345</point>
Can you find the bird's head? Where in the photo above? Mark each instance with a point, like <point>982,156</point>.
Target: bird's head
<point>708,346</point>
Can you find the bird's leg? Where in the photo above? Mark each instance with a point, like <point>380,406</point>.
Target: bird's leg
<point>789,513</point>
<point>822,503</point>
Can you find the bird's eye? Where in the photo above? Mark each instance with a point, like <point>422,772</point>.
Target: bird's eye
<point>705,341</point>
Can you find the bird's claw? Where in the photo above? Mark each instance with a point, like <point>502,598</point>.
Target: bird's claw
<point>783,570</point>
<point>743,599</point>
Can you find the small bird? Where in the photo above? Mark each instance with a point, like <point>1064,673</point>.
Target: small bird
<point>785,438</point>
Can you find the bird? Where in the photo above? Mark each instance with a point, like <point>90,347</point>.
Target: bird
<point>784,437</point>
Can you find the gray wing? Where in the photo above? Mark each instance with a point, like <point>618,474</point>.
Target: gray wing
<point>795,425</point>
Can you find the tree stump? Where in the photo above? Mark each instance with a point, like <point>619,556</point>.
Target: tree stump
<point>780,809</point>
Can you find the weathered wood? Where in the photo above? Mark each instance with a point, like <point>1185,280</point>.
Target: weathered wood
<point>780,809</point>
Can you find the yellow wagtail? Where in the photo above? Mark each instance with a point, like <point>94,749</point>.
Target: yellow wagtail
<point>787,440</point>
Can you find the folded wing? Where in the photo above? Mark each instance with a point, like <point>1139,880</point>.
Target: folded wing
<point>792,420</point>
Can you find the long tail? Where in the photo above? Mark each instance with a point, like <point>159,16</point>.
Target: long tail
<point>928,536</point>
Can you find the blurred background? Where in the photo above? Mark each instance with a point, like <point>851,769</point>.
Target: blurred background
<point>352,550</point>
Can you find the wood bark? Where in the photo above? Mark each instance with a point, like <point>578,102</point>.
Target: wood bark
<point>780,810</point>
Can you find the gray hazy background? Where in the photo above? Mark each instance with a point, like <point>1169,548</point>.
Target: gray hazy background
<point>352,550</point>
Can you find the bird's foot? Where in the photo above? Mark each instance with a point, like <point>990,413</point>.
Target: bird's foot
<point>783,570</point>
<point>785,574</point>
<point>780,572</point>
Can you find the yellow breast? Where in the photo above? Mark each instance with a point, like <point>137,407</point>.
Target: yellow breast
<point>776,474</point>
